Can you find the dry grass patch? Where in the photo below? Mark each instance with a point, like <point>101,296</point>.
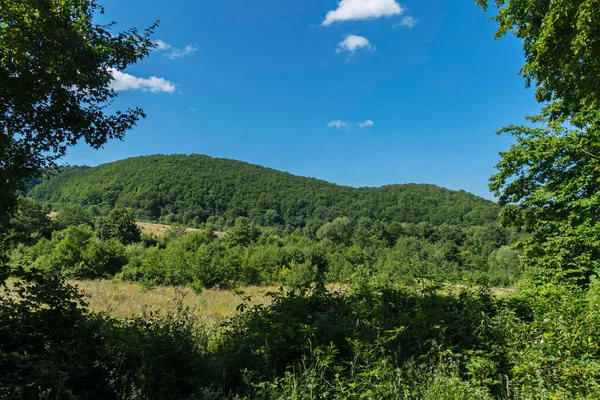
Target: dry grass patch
<point>212,306</point>
<point>124,299</point>
<point>159,230</point>
<point>455,289</point>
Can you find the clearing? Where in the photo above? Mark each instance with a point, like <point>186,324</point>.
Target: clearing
<point>159,230</point>
<point>125,299</point>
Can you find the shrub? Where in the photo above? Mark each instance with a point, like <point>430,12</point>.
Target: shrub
<point>78,254</point>
<point>51,347</point>
<point>298,275</point>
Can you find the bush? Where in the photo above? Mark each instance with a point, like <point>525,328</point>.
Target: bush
<point>320,376</point>
<point>51,347</point>
<point>405,326</point>
<point>298,275</point>
<point>78,254</point>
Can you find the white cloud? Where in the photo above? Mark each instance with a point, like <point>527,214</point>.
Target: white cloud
<point>123,81</point>
<point>408,22</point>
<point>349,10</point>
<point>161,46</point>
<point>337,124</point>
<point>173,52</point>
<point>367,124</point>
<point>178,53</point>
<point>352,43</point>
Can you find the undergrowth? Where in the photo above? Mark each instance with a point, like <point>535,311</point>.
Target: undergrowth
<point>370,341</point>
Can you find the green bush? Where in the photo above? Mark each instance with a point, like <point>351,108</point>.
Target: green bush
<point>78,254</point>
<point>298,275</point>
<point>51,347</point>
<point>119,225</point>
<point>407,325</point>
<point>320,376</point>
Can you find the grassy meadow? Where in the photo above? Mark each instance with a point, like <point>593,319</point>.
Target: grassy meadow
<point>125,299</point>
<point>159,230</point>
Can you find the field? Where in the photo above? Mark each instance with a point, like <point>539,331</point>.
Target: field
<point>127,299</point>
<point>122,299</point>
<point>152,229</point>
<point>158,229</point>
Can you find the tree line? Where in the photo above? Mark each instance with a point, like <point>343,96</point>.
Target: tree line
<point>78,244</point>
<point>193,189</point>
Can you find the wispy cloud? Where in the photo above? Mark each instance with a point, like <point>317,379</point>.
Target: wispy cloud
<point>179,53</point>
<point>351,43</point>
<point>337,124</point>
<point>161,46</point>
<point>350,10</point>
<point>173,52</point>
<point>123,81</point>
<point>408,22</point>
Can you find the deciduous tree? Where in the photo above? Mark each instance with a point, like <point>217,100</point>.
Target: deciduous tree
<point>551,175</point>
<point>561,44</point>
<point>55,85</point>
<point>120,225</point>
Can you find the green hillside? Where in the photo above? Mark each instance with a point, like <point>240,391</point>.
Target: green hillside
<point>189,189</point>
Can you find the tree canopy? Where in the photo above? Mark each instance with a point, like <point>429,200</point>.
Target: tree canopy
<point>561,44</point>
<point>195,189</point>
<point>55,78</point>
<point>551,175</point>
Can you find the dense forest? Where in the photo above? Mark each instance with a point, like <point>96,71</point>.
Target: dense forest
<point>79,244</point>
<point>194,189</point>
<point>277,227</point>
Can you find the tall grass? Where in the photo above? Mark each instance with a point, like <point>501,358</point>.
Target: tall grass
<point>125,299</point>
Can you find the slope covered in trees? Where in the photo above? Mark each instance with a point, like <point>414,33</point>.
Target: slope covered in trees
<point>196,188</point>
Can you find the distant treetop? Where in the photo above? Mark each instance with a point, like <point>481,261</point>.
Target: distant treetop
<point>194,189</point>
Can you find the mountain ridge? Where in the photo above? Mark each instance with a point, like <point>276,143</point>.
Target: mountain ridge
<point>192,188</point>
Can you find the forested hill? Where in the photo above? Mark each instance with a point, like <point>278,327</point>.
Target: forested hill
<point>189,189</point>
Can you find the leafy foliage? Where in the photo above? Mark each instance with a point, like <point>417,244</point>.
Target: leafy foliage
<point>195,189</point>
<point>119,225</point>
<point>73,215</point>
<point>51,347</point>
<point>380,341</point>
<point>55,84</point>
<point>562,48</point>
<point>551,173</point>
<point>30,222</point>
<point>309,343</point>
<point>77,253</point>
<point>249,254</point>
<point>556,186</point>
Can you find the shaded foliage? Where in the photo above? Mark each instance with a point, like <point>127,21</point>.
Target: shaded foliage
<point>52,347</point>
<point>55,75</point>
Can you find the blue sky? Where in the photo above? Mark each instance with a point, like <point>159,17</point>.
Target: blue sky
<point>286,84</point>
